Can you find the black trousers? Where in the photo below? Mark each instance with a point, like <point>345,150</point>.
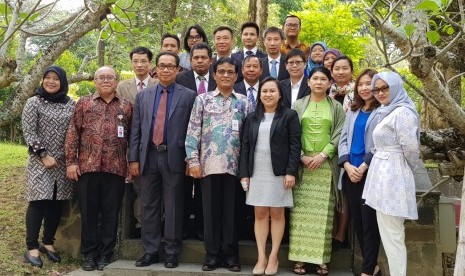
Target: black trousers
<point>365,223</point>
<point>100,195</point>
<point>219,199</point>
<point>48,211</point>
<point>193,205</point>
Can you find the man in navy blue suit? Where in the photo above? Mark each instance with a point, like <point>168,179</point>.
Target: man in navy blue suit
<point>250,33</point>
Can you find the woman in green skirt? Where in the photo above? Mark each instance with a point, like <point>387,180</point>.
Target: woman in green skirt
<point>311,222</point>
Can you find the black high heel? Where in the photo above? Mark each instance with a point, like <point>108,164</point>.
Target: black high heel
<point>51,255</point>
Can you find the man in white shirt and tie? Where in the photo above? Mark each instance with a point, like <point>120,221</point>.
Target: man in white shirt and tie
<point>141,58</point>
<point>250,32</point>
<point>252,70</point>
<point>296,87</point>
<point>273,64</point>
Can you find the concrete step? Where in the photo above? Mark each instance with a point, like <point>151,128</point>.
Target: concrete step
<point>194,252</point>
<point>127,268</point>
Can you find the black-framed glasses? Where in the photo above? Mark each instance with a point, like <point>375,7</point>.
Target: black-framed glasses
<point>291,26</point>
<point>170,67</point>
<point>226,72</point>
<point>383,89</point>
<point>296,63</point>
<point>194,37</point>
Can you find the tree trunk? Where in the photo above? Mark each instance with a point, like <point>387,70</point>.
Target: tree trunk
<point>459,269</point>
<point>262,14</point>
<point>13,106</point>
<point>252,13</point>
<point>172,13</point>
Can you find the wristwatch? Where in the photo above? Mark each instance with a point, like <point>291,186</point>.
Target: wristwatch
<point>43,153</point>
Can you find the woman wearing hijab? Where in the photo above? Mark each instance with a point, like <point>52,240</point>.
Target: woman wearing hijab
<point>311,225</point>
<point>45,119</point>
<point>390,183</point>
<point>355,157</point>
<point>329,57</point>
<point>316,56</point>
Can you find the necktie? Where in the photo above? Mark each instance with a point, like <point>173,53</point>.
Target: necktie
<point>251,99</point>
<point>140,86</point>
<point>202,88</point>
<point>274,69</point>
<point>248,53</point>
<point>159,126</point>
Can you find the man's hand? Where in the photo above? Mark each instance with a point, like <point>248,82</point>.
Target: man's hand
<point>73,172</point>
<point>134,168</point>
<point>195,172</point>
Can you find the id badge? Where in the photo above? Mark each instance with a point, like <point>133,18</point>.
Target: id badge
<point>235,125</point>
<point>120,132</point>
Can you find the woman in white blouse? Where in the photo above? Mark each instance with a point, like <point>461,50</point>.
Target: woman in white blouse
<point>390,183</point>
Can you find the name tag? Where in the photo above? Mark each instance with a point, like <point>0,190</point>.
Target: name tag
<point>235,125</point>
<point>120,132</point>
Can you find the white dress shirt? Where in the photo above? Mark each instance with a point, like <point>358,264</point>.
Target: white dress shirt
<point>197,81</point>
<point>295,87</point>
<point>277,63</point>
<point>255,91</point>
<point>145,82</point>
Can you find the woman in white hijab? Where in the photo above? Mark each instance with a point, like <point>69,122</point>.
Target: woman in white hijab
<point>395,167</point>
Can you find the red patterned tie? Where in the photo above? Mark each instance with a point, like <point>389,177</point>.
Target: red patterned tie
<point>159,126</point>
<point>140,86</point>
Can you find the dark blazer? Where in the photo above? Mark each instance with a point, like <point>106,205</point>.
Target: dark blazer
<point>178,119</point>
<point>187,79</point>
<point>285,144</point>
<point>239,56</point>
<point>240,88</point>
<point>304,90</point>
<point>282,73</point>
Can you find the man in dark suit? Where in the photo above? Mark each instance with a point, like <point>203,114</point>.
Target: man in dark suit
<point>157,153</point>
<point>250,33</point>
<point>296,87</point>
<point>252,70</point>
<point>273,64</point>
<point>224,43</point>
<point>199,79</point>
<point>201,60</point>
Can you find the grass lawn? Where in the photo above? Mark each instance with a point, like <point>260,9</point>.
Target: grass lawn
<point>12,213</point>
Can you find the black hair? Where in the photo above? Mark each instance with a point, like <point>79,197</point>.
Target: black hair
<point>178,42</point>
<point>141,50</point>
<point>250,25</point>
<point>260,109</point>
<point>226,60</point>
<point>273,30</point>
<point>201,33</point>
<point>295,52</point>
<point>223,28</point>
<point>343,57</point>
<point>167,54</point>
<point>247,58</point>
<point>201,46</point>
<point>291,16</point>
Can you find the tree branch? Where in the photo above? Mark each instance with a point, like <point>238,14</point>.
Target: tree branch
<point>46,32</point>
<point>80,77</point>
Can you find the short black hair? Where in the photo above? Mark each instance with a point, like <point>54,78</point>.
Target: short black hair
<point>291,16</point>
<point>175,37</point>
<point>250,25</point>
<point>295,52</point>
<point>226,60</point>
<point>202,46</point>
<point>141,50</point>
<point>249,57</point>
<point>273,30</point>
<point>201,33</point>
<point>343,57</point>
<point>167,54</point>
<point>224,28</point>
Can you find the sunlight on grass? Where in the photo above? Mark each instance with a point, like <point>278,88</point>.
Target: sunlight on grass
<point>12,155</point>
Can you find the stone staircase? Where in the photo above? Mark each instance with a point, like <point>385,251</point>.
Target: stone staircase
<point>192,257</point>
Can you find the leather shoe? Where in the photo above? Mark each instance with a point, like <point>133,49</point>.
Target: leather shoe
<point>102,262</point>
<point>233,266</point>
<point>51,255</point>
<point>34,261</point>
<point>171,261</point>
<point>147,260</point>
<point>89,264</point>
<point>209,265</point>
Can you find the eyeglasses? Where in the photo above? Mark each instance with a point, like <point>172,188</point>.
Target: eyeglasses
<point>225,72</point>
<point>195,37</point>
<point>170,67</point>
<point>318,50</point>
<point>296,63</point>
<point>383,89</point>
<point>291,26</point>
<point>106,78</point>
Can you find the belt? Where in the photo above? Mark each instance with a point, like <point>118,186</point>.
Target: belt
<point>159,148</point>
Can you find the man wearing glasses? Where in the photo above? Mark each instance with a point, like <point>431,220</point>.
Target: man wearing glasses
<point>291,30</point>
<point>212,149</point>
<point>295,87</point>
<point>141,61</point>
<point>157,154</point>
<point>96,143</point>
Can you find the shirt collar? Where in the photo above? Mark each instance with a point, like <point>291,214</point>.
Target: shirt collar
<point>278,59</point>
<point>96,95</point>
<point>217,93</point>
<point>254,50</point>
<point>145,81</point>
<point>196,76</point>
<point>298,83</point>
<point>170,87</point>
<point>247,85</point>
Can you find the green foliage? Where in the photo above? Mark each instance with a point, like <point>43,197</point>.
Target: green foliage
<point>69,62</point>
<point>286,7</point>
<point>439,27</point>
<point>334,23</point>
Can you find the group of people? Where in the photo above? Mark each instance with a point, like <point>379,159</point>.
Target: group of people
<point>205,135</point>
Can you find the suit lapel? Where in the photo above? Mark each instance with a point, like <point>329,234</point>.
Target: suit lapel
<point>266,67</point>
<point>150,103</point>
<point>303,88</point>
<point>256,125</point>
<point>132,89</point>
<point>175,99</point>
<point>274,123</point>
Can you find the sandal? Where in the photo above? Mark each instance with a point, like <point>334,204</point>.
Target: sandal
<point>299,269</point>
<point>322,270</point>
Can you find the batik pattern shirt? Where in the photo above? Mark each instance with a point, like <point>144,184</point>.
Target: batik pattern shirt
<point>214,132</point>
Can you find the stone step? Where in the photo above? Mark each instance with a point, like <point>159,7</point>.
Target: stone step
<point>194,252</point>
<point>127,268</point>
